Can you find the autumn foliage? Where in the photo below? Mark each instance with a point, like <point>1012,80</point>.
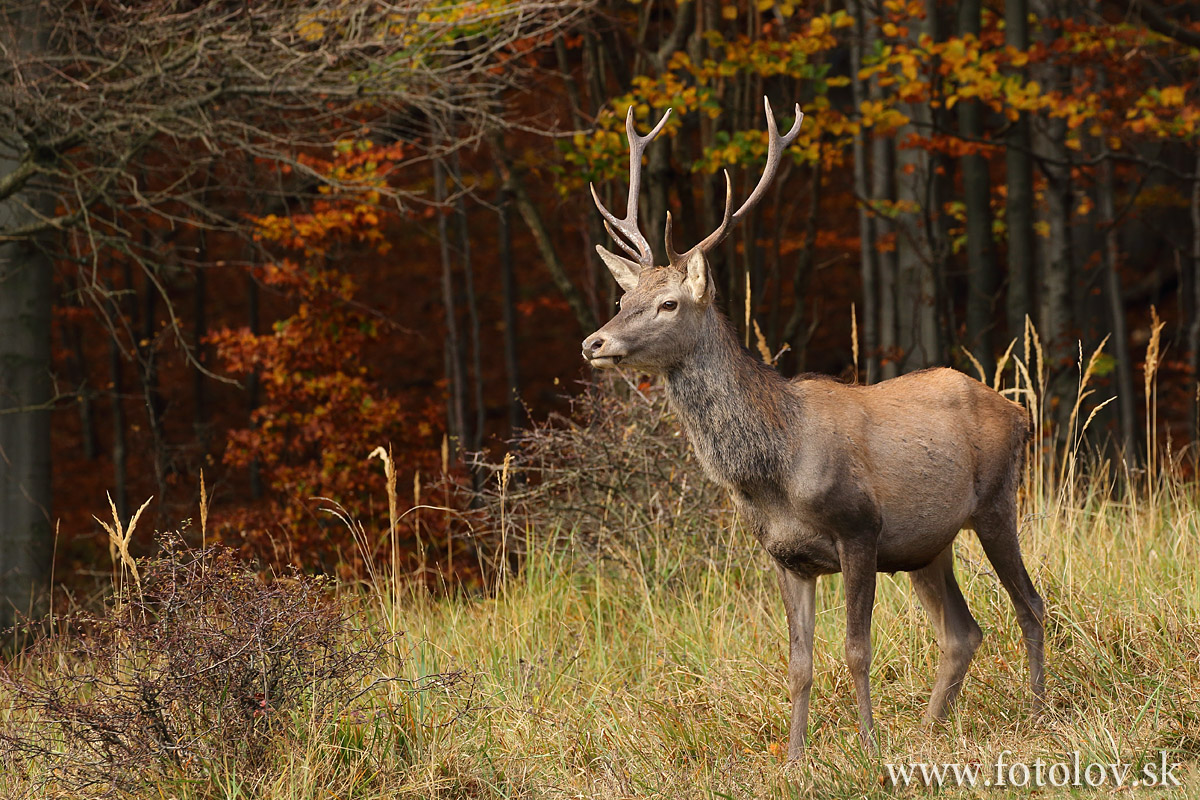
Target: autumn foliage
<point>418,273</point>
<point>323,406</point>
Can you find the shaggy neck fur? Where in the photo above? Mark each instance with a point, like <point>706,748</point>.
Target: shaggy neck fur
<point>735,409</point>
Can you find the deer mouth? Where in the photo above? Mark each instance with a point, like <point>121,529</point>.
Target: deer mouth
<point>603,362</point>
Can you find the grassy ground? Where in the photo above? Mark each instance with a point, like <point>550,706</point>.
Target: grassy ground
<point>653,664</point>
<point>662,672</point>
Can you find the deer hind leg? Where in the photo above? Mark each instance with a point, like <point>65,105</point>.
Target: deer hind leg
<point>858,572</point>
<point>957,633</point>
<point>997,532</point>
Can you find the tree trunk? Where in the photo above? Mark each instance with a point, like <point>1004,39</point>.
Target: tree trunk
<point>883,166</point>
<point>146,351</point>
<point>87,395</point>
<point>26,305</point>
<point>199,333</point>
<point>1109,259</point>
<point>253,382</point>
<point>981,259</point>
<point>868,254</point>
<point>939,187</point>
<point>1018,208</point>
<point>915,287</point>
<point>1194,327</point>
<point>474,438</point>
<point>26,302</point>
<point>802,279</point>
<point>568,78</point>
<point>1054,278</point>
<point>541,236</point>
<point>116,377</point>
<point>916,298</point>
<point>658,173</point>
<point>1054,282</point>
<point>456,401</point>
<point>509,303</point>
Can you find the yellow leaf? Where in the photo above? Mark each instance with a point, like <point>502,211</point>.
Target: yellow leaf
<point>729,12</point>
<point>311,31</point>
<point>765,5</point>
<point>890,29</point>
<point>1171,96</point>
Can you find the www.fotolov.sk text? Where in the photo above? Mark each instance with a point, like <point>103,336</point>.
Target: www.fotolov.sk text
<point>1006,772</point>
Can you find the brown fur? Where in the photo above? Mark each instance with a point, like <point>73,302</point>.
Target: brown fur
<point>833,477</point>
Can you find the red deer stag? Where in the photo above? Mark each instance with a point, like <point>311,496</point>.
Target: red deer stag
<point>830,477</point>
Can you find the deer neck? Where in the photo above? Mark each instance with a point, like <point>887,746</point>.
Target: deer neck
<point>735,410</point>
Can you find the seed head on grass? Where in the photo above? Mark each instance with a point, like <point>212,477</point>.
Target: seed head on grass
<point>119,536</point>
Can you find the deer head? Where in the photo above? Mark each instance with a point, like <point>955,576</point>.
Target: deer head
<point>663,308</point>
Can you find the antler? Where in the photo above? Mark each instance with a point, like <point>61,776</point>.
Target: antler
<point>634,242</point>
<point>775,147</point>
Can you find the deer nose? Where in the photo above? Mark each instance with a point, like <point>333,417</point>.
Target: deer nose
<point>592,345</point>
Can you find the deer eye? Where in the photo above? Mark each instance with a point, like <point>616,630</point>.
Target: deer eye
<point>668,305</point>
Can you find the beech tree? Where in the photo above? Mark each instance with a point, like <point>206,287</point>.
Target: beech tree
<point>124,126</point>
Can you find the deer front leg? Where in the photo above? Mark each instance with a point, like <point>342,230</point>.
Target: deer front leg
<point>858,571</point>
<point>799,599</point>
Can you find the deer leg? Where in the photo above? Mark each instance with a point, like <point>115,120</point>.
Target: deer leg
<point>858,571</point>
<point>799,598</point>
<point>957,633</point>
<point>998,534</point>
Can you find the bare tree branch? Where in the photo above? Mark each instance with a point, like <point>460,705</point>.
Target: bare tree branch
<point>1155,17</point>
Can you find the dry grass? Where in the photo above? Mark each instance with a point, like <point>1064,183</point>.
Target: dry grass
<point>654,664</point>
<point>664,675</point>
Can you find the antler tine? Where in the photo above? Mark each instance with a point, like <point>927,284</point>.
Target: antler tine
<point>674,257</point>
<point>633,242</point>
<point>609,221</point>
<point>775,147</point>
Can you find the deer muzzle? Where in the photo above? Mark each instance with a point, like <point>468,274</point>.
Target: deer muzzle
<point>601,351</point>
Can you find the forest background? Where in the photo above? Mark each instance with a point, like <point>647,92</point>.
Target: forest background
<point>260,240</point>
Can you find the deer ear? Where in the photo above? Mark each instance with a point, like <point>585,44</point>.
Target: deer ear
<point>625,271</point>
<point>697,277</point>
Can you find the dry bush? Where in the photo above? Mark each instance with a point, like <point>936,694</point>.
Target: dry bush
<point>615,472</point>
<point>197,672</point>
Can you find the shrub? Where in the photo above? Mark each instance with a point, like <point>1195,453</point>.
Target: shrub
<point>196,672</point>
<point>614,472</point>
